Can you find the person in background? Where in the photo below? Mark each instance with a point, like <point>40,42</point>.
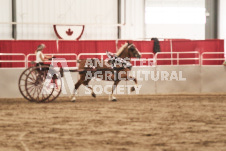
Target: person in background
<point>40,57</point>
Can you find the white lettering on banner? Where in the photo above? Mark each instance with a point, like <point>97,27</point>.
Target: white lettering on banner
<point>140,75</point>
<point>164,75</point>
<point>108,75</point>
<point>120,89</point>
<point>108,89</point>
<point>153,77</point>
<point>143,75</point>
<point>120,75</point>
<point>181,77</point>
<point>98,75</point>
<point>88,75</point>
<point>146,73</point>
<point>173,76</point>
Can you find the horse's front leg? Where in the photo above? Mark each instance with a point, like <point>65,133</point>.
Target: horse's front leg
<point>75,89</point>
<point>111,97</point>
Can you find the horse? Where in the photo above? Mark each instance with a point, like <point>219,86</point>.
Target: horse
<point>106,71</point>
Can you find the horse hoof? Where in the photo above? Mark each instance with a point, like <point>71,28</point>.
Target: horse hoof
<point>93,95</point>
<point>132,89</point>
<point>114,100</point>
<point>73,99</point>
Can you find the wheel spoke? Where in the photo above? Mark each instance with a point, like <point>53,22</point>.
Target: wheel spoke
<point>30,78</point>
<point>32,74</point>
<point>30,86</point>
<point>29,92</point>
<point>29,82</point>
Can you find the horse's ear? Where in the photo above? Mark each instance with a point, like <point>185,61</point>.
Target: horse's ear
<point>129,43</point>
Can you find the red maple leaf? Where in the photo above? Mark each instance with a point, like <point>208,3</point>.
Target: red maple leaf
<point>69,32</point>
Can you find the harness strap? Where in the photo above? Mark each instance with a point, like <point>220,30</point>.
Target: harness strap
<point>115,59</point>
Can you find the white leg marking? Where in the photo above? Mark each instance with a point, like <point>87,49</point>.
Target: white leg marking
<point>73,99</point>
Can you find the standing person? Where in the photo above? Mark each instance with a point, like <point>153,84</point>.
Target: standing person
<point>40,57</point>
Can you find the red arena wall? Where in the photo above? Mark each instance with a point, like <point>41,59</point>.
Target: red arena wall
<point>101,46</point>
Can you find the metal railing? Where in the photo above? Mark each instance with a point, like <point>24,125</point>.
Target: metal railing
<point>178,58</point>
<point>211,59</point>
<point>150,60</point>
<point>92,54</point>
<point>174,58</point>
<point>58,54</point>
<point>14,61</point>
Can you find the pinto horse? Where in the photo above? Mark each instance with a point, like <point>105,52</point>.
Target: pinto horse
<point>89,67</point>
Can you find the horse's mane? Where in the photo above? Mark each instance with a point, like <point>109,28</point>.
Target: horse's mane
<point>120,50</point>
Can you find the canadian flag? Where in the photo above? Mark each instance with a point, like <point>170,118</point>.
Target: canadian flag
<point>69,32</point>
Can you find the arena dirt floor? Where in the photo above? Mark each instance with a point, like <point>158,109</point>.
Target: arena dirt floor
<point>136,123</point>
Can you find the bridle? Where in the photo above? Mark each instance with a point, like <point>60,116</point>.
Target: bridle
<point>133,50</point>
<point>130,48</point>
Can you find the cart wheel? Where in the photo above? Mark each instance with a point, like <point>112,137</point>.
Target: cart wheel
<point>43,84</point>
<point>21,84</point>
<point>35,84</point>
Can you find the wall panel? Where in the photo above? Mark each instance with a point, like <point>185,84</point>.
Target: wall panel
<point>134,27</point>
<point>199,80</point>
<point>5,16</point>
<point>180,79</point>
<point>67,12</point>
<point>213,79</point>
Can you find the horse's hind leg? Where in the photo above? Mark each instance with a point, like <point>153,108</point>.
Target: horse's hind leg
<point>75,89</point>
<point>135,81</point>
<point>132,79</point>
<point>85,83</point>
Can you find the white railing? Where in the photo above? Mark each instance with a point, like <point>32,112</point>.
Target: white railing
<point>178,59</point>
<point>14,61</point>
<point>211,59</point>
<point>142,61</point>
<point>58,54</point>
<point>92,54</point>
<point>153,60</point>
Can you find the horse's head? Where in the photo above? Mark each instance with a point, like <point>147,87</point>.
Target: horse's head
<point>133,51</point>
<point>128,50</point>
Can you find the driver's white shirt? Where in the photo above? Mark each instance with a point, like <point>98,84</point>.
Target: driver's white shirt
<point>38,58</point>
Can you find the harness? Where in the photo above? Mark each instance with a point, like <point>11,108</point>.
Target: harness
<point>115,60</point>
<point>116,63</point>
<point>122,63</point>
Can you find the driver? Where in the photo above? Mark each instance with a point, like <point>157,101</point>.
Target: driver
<point>40,57</point>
